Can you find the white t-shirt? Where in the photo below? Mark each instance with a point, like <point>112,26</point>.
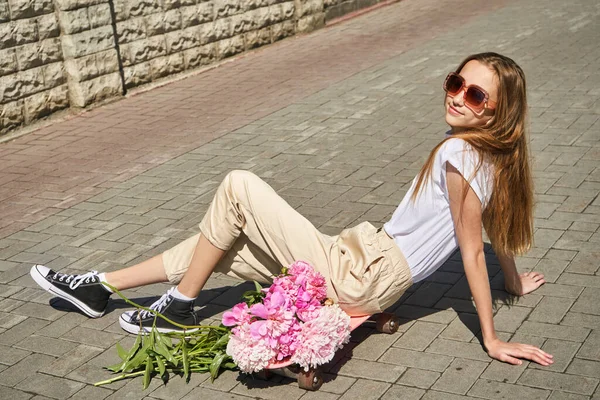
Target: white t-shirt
<point>423,229</point>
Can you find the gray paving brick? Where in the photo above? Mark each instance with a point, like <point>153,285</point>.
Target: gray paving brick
<point>556,395</point>
<point>41,311</point>
<point>435,395</point>
<point>7,321</point>
<point>23,329</point>
<point>205,393</point>
<point>496,390</point>
<point>463,328</point>
<point>563,353</point>
<point>370,370</point>
<point>552,269</point>
<point>581,320</point>
<point>580,280</point>
<point>13,394</point>
<point>575,334</point>
<point>557,290</point>
<point>453,348</point>
<point>44,345</point>
<point>591,347</point>
<point>90,373</point>
<point>91,336</point>
<point>459,376</point>
<point>63,325</point>
<point>424,314</point>
<point>584,367</point>
<point>588,302</point>
<point>419,335</point>
<point>415,359</point>
<point>10,355</point>
<point>509,319</point>
<point>12,274</point>
<point>402,392</point>
<point>366,389</point>
<point>428,294</point>
<point>7,265</point>
<point>133,390</point>
<point>92,393</point>
<point>72,358</point>
<point>556,381</point>
<point>373,346</point>
<point>550,310</point>
<point>286,388</point>
<point>419,378</point>
<point>227,381</point>
<point>24,369</point>
<point>503,372</point>
<point>585,263</point>
<point>320,395</point>
<point>177,387</point>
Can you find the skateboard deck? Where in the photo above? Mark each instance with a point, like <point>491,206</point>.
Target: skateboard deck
<point>312,379</point>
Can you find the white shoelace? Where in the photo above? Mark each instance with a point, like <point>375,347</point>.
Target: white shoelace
<point>158,305</point>
<point>75,280</point>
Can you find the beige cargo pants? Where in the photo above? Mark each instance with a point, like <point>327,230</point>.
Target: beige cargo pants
<point>364,269</point>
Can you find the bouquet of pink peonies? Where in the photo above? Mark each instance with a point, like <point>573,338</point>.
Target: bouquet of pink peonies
<point>289,320</point>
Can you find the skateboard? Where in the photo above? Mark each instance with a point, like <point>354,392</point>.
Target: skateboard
<point>313,378</point>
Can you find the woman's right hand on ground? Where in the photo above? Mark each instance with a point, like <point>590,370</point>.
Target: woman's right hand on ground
<point>512,353</point>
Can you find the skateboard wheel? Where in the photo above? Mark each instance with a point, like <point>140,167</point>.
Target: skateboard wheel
<point>387,323</point>
<point>311,380</point>
<point>264,374</point>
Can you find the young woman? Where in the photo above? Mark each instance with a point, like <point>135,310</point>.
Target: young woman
<point>479,174</point>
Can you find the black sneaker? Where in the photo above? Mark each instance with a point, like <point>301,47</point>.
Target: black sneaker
<point>83,291</point>
<point>179,311</point>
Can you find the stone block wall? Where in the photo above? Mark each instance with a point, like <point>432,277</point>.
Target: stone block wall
<point>89,49</point>
<point>32,77</point>
<point>337,8</point>
<point>163,38</point>
<point>56,54</point>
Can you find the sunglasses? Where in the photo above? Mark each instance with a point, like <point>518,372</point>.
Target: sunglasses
<point>475,97</point>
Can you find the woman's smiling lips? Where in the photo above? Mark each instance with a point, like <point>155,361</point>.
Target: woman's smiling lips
<point>454,111</point>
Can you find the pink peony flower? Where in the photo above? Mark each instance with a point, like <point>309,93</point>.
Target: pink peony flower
<point>321,337</point>
<point>290,322</point>
<point>250,355</point>
<point>276,318</point>
<point>239,314</point>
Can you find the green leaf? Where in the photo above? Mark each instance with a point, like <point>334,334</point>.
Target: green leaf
<point>148,372</point>
<point>258,287</point>
<point>139,358</point>
<point>186,361</point>
<point>121,352</point>
<point>115,368</point>
<point>161,349</point>
<point>215,366</point>
<point>161,366</point>
<point>221,343</point>
<point>132,352</point>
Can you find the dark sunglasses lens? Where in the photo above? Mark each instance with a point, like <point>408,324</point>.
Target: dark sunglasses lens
<point>454,84</point>
<point>475,97</point>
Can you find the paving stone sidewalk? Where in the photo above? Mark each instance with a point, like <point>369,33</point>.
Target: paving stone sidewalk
<point>339,124</point>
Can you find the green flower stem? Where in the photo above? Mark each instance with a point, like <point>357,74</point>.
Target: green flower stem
<point>185,327</point>
<point>118,378</point>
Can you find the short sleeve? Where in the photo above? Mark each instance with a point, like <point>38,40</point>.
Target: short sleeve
<point>465,159</point>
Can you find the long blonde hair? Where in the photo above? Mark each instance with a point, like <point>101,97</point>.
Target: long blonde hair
<point>508,216</point>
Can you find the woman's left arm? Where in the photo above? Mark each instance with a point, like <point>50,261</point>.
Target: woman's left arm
<point>466,214</point>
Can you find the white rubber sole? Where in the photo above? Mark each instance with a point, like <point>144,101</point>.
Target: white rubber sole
<point>47,286</point>
<point>135,328</point>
